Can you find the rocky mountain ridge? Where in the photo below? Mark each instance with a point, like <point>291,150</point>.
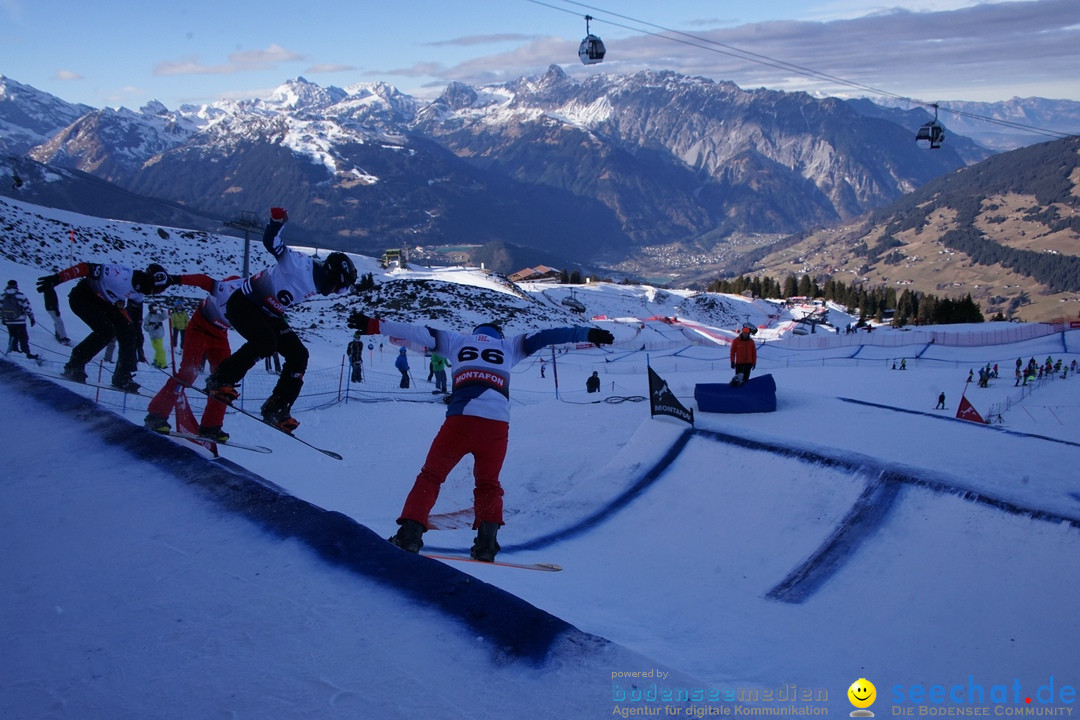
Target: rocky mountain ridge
<point>585,173</point>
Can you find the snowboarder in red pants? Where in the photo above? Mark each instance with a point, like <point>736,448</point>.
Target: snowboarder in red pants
<point>477,419</point>
<point>206,336</point>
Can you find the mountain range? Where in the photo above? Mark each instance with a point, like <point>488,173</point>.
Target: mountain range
<point>598,172</point>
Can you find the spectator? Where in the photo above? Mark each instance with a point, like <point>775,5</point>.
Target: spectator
<point>593,383</point>
<point>439,363</point>
<point>355,351</point>
<point>155,326</point>
<point>402,364</point>
<point>15,312</point>
<point>179,322</point>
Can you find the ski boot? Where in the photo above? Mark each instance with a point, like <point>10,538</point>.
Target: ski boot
<point>157,423</point>
<point>275,411</point>
<point>408,536</point>
<point>127,385</point>
<point>485,547</point>
<point>213,432</point>
<point>72,372</point>
<point>218,390</point>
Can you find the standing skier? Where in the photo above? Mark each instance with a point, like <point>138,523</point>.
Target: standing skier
<point>99,299</point>
<point>257,312</point>
<point>207,338</point>
<point>477,419</point>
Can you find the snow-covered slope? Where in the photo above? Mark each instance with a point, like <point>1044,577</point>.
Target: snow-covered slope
<point>854,533</point>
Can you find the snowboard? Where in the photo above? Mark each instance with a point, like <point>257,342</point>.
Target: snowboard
<point>227,443</point>
<point>253,416</point>
<point>543,567</point>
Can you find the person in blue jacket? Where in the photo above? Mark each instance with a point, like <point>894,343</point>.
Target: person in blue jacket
<point>402,364</point>
<point>477,417</point>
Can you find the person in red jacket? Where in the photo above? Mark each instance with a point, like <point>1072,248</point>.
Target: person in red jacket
<point>743,354</point>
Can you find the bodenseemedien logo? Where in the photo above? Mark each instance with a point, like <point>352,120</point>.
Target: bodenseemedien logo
<point>862,695</point>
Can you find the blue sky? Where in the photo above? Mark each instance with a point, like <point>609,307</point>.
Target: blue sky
<point>127,52</point>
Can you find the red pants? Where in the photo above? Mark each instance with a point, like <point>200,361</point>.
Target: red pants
<point>203,339</point>
<point>459,436</point>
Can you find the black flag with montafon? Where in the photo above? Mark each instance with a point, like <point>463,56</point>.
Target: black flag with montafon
<point>663,402</point>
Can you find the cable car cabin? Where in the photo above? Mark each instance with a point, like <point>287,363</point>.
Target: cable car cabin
<point>592,50</point>
<point>932,132</point>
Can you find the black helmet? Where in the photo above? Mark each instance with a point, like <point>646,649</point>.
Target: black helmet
<point>152,281</point>
<point>339,274</point>
<point>159,278</point>
<point>488,329</point>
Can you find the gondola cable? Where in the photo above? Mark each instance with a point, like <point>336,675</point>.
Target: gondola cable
<point>732,51</point>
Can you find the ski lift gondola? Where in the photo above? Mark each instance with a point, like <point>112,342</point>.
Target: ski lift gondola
<point>932,132</point>
<point>591,50</point>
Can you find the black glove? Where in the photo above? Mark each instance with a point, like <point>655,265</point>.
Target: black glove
<point>32,322</point>
<point>732,366</point>
<point>600,337</point>
<point>47,281</point>
<point>174,280</point>
<point>366,325</point>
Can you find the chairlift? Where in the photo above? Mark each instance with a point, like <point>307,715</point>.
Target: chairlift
<point>932,132</point>
<point>573,303</point>
<point>591,50</point>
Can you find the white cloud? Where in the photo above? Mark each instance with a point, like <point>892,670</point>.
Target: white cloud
<point>238,62</point>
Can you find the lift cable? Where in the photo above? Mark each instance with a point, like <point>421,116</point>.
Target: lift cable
<point>702,43</point>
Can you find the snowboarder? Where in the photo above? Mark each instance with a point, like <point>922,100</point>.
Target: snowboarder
<point>207,340</point>
<point>743,355</point>
<point>16,311</point>
<point>940,402</point>
<point>477,419</point>
<point>98,300</point>
<point>257,312</point>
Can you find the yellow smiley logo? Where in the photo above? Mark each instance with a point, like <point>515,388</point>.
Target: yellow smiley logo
<point>862,693</point>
